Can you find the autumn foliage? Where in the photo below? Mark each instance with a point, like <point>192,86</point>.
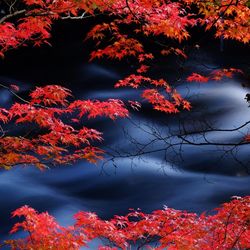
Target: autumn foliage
<point>152,19</point>
<point>121,36</point>
<point>215,75</point>
<point>52,122</point>
<point>58,141</point>
<point>228,228</point>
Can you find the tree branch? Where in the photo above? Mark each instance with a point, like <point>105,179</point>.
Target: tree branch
<point>11,15</point>
<point>75,17</point>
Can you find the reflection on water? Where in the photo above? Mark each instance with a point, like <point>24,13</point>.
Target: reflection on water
<point>92,70</point>
<point>201,182</point>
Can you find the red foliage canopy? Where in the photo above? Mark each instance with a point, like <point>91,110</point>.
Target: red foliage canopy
<point>228,228</point>
<point>58,141</point>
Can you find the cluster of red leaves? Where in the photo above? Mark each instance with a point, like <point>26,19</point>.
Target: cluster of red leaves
<point>215,75</point>
<point>54,140</point>
<point>195,77</point>
<point>146,18</point>
<point>34,24</point>
<point>154,18</point>
<point>45,232</point>
<point>160,102</point>
<point>173,101</point>
<point>228,228</point>
<point>153,96</point>
<point>34,29</point>
<point>172,50</point>
<point>171,19</point>
<point>230,18</point>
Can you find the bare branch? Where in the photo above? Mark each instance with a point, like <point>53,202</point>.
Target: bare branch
<point>209,143</point>
<point>12,92</point>
<point>11,15</point>
<point>75,17</point>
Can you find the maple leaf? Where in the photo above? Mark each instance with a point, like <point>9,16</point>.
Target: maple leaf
<point>50,94</point>
<point>186,105</point>
<point>195,77</point>
<point>143,68</point>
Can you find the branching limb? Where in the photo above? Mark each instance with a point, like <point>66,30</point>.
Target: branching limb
<point>11,15</point>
